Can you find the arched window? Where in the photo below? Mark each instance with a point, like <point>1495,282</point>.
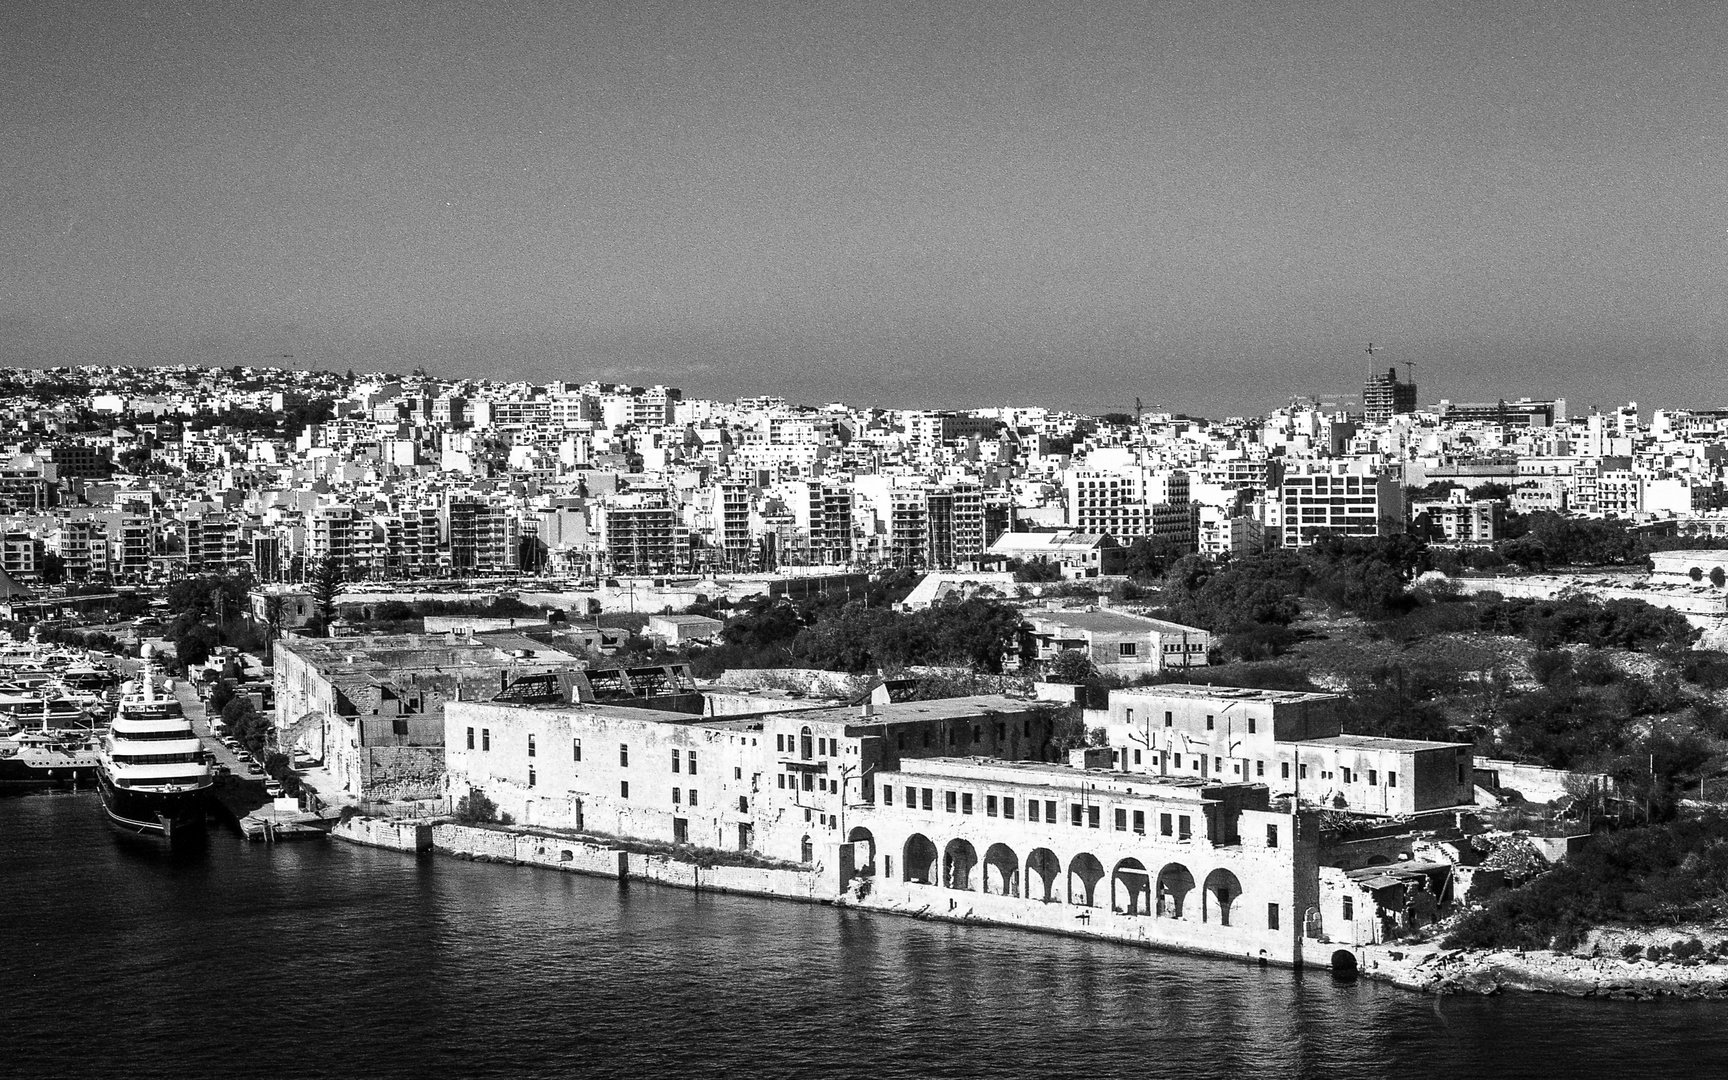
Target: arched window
<point>806,747</point>
<point>806,851</point>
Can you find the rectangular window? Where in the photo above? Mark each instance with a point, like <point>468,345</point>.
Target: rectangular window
<point>929,799</point>
<point>1217,766</point>
<point>989,806</point>
<point>690,761</point>
<point>782,779</point>
<point>1302,772</point>
<point>680,828</point>
<point>623,789</point>
<point>887,794</point>
<point>1128,716</point>
<point>1211,722</point>
<point>809,782</point>
<point>1178,758</point>
<point>1136,757</point>
<point>1121,820</point>
<point>677,761</point>
<point>1094,817</point>
<point>1184,827</point>
<point>530,746</point>
<point>780,743</point>
<point>470,738</point>
<point>692,796</point>
<point>743,804</point>
<point>1250,725</point>
<point>1049,811</point>
<point>1284,769</point>
<point>485,738</point>
<point>1169,718</point>
<point>949,801</point>
<point>1007,806</point>
<point>1391,779</point>
<point>1127,648</point>
<point>1373,777</point>
<point>1140,822</point>
<point>677,796</point>
<point>1271,916</point>
<point>1349,910</point>
<point>1259,768</point>
<point>576,749</point>
<point>1163,824</point>
<point>624,755</point>
<point>1460,774</point>
<point>530,776</point>
<point>1076,814</point>
<point>911,798</point>
<point>966,803</point>
<point>1271,836</point>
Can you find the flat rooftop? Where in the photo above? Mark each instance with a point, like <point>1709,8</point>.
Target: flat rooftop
<point>1110,622</point>
<point>1195,692</point>
<point>1058,778</point>
<point>1374,742</point>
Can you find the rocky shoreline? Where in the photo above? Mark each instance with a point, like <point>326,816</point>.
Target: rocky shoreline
<point>1431,969</point>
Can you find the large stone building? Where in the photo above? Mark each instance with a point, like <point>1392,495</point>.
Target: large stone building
<point>373,708</point>
<point>1291,742</point>
<point>779,785</point>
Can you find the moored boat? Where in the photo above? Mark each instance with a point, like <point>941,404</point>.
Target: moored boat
<point>154,776</point>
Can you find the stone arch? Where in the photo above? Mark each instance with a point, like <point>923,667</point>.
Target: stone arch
<point>1042,870</point>
<point>1218,899</point>
<point>862,836</point>
<point>1173,886</point>
<point>1131,888</point>
<point>918,862</point>
<point>1312,924</point>
<point>1344,963</point>
<point>959,859</point>
<point>1084,874</point>
<point>1001,870</point>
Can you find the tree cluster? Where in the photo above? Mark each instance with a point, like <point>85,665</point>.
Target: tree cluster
<point>1658,875</point>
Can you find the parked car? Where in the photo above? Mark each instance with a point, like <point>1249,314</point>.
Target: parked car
<point>273,789</point>
<point>255,769</point>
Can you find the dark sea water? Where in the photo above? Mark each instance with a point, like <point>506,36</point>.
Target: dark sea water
<point>320,959</point>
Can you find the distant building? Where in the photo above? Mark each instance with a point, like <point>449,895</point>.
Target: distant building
<point>1117,643</point>
<point>680,629</point>
<point>1384,397</point>
<point>1079,555</point>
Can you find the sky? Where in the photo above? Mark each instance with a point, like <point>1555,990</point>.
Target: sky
<point>1207,206</point>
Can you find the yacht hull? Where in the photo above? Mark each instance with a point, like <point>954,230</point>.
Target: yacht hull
<point>152,813</point>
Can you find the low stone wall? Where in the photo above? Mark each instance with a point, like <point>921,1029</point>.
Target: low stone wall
<point>382,833</point>
<point>585,857</point>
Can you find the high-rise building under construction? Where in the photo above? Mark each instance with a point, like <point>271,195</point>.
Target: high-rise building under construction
<point>1384,397</point>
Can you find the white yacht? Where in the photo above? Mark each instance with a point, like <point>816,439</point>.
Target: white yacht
<point>154,776</point>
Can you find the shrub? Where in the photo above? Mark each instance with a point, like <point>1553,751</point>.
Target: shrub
<point>1631,952</point>
<point>475,808</point>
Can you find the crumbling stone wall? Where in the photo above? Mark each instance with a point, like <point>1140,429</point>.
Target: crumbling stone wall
<point>403,772</point>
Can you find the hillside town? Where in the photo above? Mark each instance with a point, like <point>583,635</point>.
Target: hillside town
<point>143,476</point>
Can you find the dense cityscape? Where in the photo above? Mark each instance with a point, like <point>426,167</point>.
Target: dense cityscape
<point>1335,686</point>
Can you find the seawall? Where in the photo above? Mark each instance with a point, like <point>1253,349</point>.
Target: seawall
<point>598,859</point>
